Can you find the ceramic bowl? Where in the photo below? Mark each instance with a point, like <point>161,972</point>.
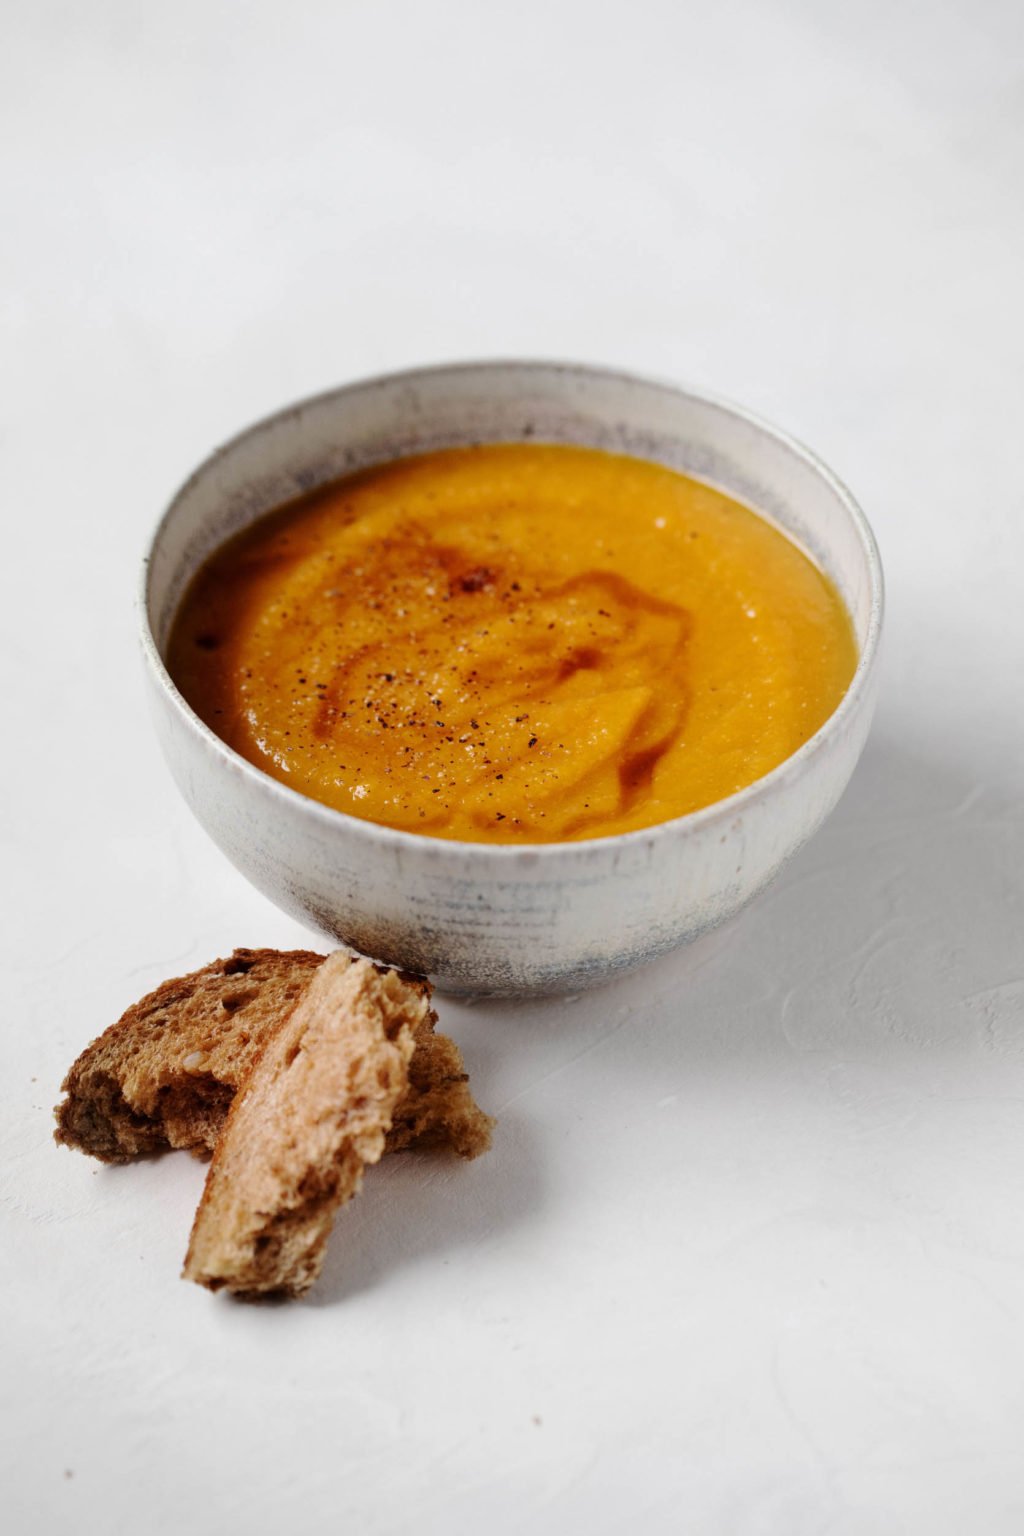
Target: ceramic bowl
<point>510,920</point>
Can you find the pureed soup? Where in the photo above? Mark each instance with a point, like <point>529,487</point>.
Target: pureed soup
<point>513,644</point>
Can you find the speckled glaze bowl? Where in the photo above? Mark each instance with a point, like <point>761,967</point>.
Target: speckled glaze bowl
<point>502,919</point>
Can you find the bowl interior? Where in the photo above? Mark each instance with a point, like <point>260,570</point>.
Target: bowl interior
<point>363,424</point>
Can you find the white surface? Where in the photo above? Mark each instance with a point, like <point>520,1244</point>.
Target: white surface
<point>748,1255</point>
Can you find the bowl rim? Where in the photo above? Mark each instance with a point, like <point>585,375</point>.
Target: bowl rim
<point>731,806</point>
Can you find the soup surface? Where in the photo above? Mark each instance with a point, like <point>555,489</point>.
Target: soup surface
<point>513,643</point>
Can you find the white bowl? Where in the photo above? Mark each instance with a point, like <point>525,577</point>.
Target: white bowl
<point>503,919</point>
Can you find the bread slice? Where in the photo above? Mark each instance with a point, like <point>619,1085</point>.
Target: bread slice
<point>165,1074</point>
<point>312,1114</point>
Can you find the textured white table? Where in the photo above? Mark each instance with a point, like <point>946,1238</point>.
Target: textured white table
<point>748,1254</point>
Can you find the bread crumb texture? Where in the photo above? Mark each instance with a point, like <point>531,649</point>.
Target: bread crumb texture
<point>314,1112</point>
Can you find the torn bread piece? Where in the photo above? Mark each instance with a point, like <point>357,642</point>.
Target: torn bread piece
<point>165,1074</point>
<point>313,1113</point>
<point>439,1110</point>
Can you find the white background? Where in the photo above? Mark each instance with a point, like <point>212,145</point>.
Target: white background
<point>748,1254</point>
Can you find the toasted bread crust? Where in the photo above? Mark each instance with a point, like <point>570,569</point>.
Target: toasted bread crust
<point>313,1112</point>
<point>165,1074</point>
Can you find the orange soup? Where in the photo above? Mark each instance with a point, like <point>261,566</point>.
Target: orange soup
<point>513,644</point>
